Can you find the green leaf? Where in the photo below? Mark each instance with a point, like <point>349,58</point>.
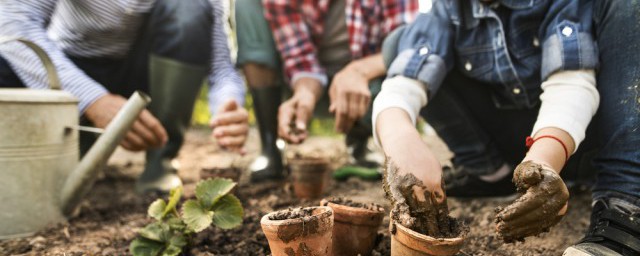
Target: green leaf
<point>174,198</point>
<point>178,240</point>
<point>210,191</point>
<point>156,209</point>
<point>195,216</point>
<point>156,231</point>
<point>228,212</point>
<point>172,251</point>
<point>175,223</point>
<point>145,247</point>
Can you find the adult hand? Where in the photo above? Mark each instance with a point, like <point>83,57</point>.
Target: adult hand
<point>413,175</point>
<point>350,97</point>
<point>146,132</point>
<point>542,205</point>
<point>295,113</point>
<point>230,126</point>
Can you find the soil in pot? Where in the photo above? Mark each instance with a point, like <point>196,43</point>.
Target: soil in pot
<point>309,176</point>
<point>420,223</point>
<point>299,232</point>
<point>355,226</point>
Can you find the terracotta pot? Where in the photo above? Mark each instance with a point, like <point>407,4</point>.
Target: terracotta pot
<point>407,242</point>
<point>355,228</point>
<point>300,236</point>
<point>309,176</point>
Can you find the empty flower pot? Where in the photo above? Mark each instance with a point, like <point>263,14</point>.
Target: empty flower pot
<point>301,232</point>
<point>355,226</point>
<point>407,242</point>
<point>309,176</point>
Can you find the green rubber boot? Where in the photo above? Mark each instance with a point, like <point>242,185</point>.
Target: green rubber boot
<point>268,166</point>
<point>174,87</point>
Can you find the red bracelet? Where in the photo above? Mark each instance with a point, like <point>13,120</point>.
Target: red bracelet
<point>530,141</point>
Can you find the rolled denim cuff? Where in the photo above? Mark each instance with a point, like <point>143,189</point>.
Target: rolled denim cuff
<point>324,80</point>
<point>568,49</point>
<point>420,65</point>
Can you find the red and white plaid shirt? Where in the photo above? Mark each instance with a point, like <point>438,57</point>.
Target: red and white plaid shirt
<point>298,25</point>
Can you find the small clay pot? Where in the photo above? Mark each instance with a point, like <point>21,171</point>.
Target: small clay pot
<point>355,228</point>
<point>310,235</point>
<point>232,173</point>
<point>309,176</point>
<point>407,242</point>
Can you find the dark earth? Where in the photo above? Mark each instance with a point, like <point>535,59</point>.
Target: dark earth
<point>112,212</point>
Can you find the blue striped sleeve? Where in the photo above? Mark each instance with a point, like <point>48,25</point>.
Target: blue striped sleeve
<point>28,19</point>
<point>225,82</point>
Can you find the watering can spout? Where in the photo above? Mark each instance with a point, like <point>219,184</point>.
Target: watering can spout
<point>81,179</point>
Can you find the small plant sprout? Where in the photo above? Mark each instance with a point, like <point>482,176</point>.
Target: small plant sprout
<point>172,231</point>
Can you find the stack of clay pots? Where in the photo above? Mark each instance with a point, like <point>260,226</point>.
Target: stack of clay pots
<point>333,229</point>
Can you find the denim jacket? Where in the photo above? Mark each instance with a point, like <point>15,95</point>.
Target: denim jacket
<point>513,45</point>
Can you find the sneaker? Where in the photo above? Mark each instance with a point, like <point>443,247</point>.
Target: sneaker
<point>612,232</point>
<point>459,182</point>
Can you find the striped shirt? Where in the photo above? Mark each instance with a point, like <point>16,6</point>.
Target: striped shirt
<point>95,28</point>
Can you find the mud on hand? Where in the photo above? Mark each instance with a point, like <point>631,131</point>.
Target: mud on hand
<point>541,206</point>
<point>414,205</point>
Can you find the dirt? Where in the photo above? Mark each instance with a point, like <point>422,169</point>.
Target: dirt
<point>291,214</point>
<point>416,208</point>
<point>544,194</point>
<point>232,173</point>
<point>112,213</point>
<point>351,203</point>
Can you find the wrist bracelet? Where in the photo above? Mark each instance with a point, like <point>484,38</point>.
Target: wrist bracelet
<point>529,142</point>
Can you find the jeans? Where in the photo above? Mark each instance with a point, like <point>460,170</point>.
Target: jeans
<point>618,118</point>
<point>483,135</point>
<point>177,30</point>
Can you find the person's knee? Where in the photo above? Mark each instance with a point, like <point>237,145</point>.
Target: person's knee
<point>255,38</point>
<point>183,29</point>
<point>390,46</point>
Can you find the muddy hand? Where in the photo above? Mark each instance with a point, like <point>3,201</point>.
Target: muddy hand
<point>542,205</point>
<point>414,205</point>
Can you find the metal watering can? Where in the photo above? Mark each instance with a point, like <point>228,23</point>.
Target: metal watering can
<point>41,180</point>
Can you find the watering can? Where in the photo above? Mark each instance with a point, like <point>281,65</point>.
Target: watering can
<point>41,179</point>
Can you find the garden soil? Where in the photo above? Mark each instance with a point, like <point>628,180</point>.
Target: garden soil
<point>112,213</point>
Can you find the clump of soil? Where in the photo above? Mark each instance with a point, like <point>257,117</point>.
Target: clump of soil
<point>293,128</point>
<point>351,203</point>
<point>424,215</point>
<point>232,173</point>
<point>291,214</point>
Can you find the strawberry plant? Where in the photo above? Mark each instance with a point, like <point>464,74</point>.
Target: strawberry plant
<point>172,231</point>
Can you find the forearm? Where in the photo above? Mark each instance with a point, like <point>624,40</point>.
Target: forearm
<point>403,93</point>
<point>310,86</point>
<point>370,67</point>
<point>569,101</point>
<point>26,20</point>
<point>393,122</point>
<point>549,151</point>
<point>225,82</point>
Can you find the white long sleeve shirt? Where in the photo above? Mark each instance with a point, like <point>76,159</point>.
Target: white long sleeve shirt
<point>95,28</point>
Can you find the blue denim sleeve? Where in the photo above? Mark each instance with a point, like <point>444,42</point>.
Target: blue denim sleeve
<point>424,50</point>
<point>568,42</point>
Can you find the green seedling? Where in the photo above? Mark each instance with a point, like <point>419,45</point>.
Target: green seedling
<point>172,231</point>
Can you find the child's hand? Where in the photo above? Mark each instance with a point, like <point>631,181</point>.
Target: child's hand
<point>542,205</point>
<point>413,175</point>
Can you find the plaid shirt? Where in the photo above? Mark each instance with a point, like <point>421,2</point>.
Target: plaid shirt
<point>298,25</point>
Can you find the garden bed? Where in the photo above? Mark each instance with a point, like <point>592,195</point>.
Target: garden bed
<point>112,213</point>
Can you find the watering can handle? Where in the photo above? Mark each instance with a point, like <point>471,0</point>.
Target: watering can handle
<point>52,74</point>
